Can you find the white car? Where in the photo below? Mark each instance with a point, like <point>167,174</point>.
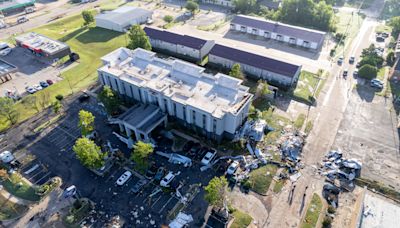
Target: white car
<point>232,168</point>
<point>208,157</point>
<point>4,49</point>
<point>124,178</point>
<point>30,89</point>
<point>37,87</point>
<point>167,179</point>
<point>6,156</point>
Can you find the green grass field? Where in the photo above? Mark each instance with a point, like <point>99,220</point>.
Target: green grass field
<point>306,86</point>
<point>313,212</point>
<point>260,179</point>
<point>353,22</point>
<point>19,188</point>
<point>242,220</point>
<point>10,210</point>
<point>89,42</point>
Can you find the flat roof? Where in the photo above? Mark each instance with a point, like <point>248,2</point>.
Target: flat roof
<point>40,43</point>
<point>123,14</point>
<point>182,82</point>
<point>175,38</point>
<point>14,4</point>
<point>280,28</point>
<point>379,212</point>
<point>6,68</point>
<point>137,116</point>
<point>265,63</point>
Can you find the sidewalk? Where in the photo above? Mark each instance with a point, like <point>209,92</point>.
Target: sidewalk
<point>14,199</point>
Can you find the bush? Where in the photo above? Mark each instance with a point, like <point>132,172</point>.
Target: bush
<point>331,209</point>
<point>59,97</point>
<point>327,222</point>
<point>390,58</point>
<point>368,72</point>
<point>168,18</point>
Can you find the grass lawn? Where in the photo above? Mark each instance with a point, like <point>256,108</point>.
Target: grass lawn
<point>242,220</point>
<point>383,28</point>
<point>299,122</point>
<point>313,212</point>
<point>19,188</point>
<point>275,121</point>
<point>90,43</point>
<point>309,126</point>
<point>381,73</point>
<point>306,86</point>
<point>278,186</point>
<point>10,210</point>
<point>350,24</point>
<point>260,179</point>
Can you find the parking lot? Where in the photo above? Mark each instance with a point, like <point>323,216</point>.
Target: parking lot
<point>30,71</point>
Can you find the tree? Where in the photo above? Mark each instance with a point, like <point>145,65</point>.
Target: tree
<point>370,56</point>
<point>138,38</point>
<point>168,18</point>
<point>236,71</point>
<point>245,6</point>
<point>31,102</point>
<point>140,154</point>
<point>367,71</point>
<point>57,106</point>
<point>86,122</point>
<point>264,88</point>
<point>110,100</point>
<point>88,153</point>
<point>192,6</point>
<point>59,97</point>
<point>87,17</point>
<point>390,58</point>
<point>7,110</point>
<point>215,191</point>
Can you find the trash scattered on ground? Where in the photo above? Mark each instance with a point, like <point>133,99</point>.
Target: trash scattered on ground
<point>181,220</point>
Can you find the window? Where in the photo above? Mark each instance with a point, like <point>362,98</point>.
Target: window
<point>166,105</point>
<point>214,125</point>
<point>204,121</point>
<point>174,109</point>
<point>194,116</point>
<point>140,95</point>
<point>184,113</point>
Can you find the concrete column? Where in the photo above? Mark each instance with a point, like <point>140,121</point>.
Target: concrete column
<point>138,137</point>
<point>121,128</point>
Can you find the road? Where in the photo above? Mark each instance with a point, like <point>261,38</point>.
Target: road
<point>46,14</point>
<point>328,114</point>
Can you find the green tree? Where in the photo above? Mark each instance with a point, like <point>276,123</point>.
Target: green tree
<point>110,100</point>
<point>369,56</point>
<point>59,97</point>
<point>367,71</point>
<point>31,102</point>
<point>87,17</point>
<point>264,88</point>
<point>86,122</point>
<point>395,24</point>
<point>57,106</point>
<point>236,71</point>
<point>245,6</point>
<point>138,38</point>
<point>216,191</point>
<point>168,18</point>
<point>140,154</point>
<point>7,110</point>
<point>390,58</point>
<point>192,6</point>
<point>88,153</point>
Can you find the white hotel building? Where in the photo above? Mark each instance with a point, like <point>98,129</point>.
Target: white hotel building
<point>213,105</point>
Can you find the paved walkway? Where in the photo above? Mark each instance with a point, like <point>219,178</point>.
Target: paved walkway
<point>13,198</point>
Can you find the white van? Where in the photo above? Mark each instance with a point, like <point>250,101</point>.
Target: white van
<point>4,49</point>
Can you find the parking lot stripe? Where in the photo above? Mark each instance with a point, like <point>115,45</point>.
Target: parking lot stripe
<point>47,174</point>
<point>156,201</point>
<point>163,207</point>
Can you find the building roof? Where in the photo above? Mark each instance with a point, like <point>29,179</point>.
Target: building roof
<point>180,81</point>
<point>15,4</point>
<point>265,63</point>
<point>40,43</point>
<point>124,14</point>
<point>175,38</point>
<point>6,68</point>
<point>143,117</point>
<point>280,28</point>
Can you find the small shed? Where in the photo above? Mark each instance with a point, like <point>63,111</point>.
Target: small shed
<point>123,18</point>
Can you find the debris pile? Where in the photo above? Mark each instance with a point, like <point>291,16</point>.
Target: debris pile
<point>339,171</point>
<point>253,129</point>
<point>291,144</point>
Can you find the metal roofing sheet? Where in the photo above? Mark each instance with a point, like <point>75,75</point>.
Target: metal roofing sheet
<point>174,38</point>
<point>272,65</point>
<point>280,28</point>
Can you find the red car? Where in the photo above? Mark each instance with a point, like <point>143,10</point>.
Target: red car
<point>50,82</point>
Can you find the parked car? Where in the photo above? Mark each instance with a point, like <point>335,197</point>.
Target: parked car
<point>30,89</point>
<point>50,82</point>
<point>232,168</point>
<point>358,65</point>
<point>376,85</point>
<point>340,60</point>
<point>385,35</point>
<point>149,21</point>
<point>37,87</point>
<point>6,156</point>
<point>124,178</point>
<point>345,72</point>
<point>377,81</point>
<point>167,179</point>
<point>84,97</point>
<point>29,10</point>
<point>43,84</point>
<point>380,38</point>
<point>208,157</point>
<point>22,19</point>
<point>160,173</point>
<point>352,59</point>
<point>4,49</point>
<point>138,186</point>
<point>355,73</point>
<point>151,172</point>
